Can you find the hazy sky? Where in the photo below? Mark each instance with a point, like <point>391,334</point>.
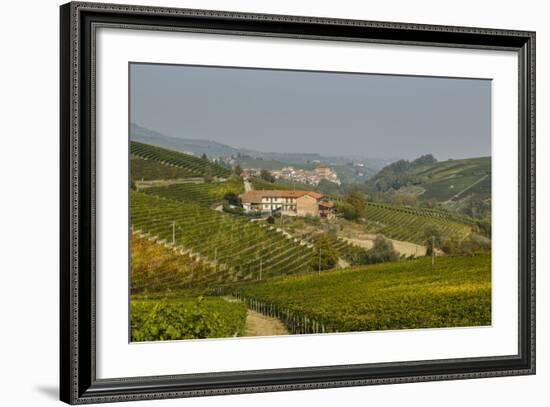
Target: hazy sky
<point>326,113</point>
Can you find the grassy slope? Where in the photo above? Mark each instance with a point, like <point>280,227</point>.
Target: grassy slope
<point>413,294</point>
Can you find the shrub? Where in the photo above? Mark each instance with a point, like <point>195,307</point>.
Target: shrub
<point>381,251</point>
<point>232,198</point>
<point>474,245</point>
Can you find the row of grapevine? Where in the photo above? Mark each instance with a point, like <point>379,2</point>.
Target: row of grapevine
<point>195,165</point>
<point>147,170</point>
<point>237,248</point>
<point>206,193</point>
<point>456,291</point>
<point>407,224</point>
<point>441,214</point>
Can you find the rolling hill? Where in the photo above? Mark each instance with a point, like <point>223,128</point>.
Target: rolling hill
<point>440,181</point>
<point>194,166</point>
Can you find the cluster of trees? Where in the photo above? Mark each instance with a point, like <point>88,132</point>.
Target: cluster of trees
<point>353,207</point>
<point>327,255</point>
<point>397,174</point>
<point>472,245</point>
<point>266,176</point>
<point>380,252</point>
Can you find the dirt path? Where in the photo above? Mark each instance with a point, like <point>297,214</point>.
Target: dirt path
<point>467,188</point>
<point>261,325</point>
<point>401,247</point>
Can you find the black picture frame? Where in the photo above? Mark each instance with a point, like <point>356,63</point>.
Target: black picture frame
<point>78,382</point>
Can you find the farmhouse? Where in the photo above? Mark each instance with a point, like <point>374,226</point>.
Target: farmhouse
<point>292,203</point>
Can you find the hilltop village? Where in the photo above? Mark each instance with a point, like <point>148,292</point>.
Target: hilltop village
<point>290,173</point>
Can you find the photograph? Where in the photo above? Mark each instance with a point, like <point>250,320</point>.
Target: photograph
<point>284,202</point>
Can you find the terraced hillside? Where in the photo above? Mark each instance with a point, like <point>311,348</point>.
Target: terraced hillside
<point>455,179</point>
<point>147,170</point>
<point>207,193</point>
<point>238,248</point>
<point>194,165</point>
<point>406,223</point>
<point>455,292</point>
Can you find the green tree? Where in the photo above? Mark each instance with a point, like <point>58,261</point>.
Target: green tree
<point>383,250</point>
<point>204,157</point>
<point>238,170</point>
<point>347,211</point>
<point>326,256</point>
<point>232,198</point>
<point>266,176</point>
<point>357,200</point>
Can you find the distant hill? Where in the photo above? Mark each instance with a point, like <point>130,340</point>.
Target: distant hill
<point>196,147</point>
<point>248,158</point>
<point>440,181</point>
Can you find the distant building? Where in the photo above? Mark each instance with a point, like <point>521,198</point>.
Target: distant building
<point>323,171</point>
<point>312,177</point>
<point>292,203</point>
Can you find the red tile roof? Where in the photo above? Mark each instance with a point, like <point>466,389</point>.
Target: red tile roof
<point>326,204</point>
<point>257,195</point>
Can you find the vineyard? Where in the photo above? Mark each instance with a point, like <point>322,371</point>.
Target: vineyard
<point>146,170</point>
<point>172,318</point>
<point>455,292</point>
<point>207,193</point>
<point>347,251</point>
<point>194,165</point>
<point>237,248</point>
<point>407,223</point>
<point>156,268</point>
